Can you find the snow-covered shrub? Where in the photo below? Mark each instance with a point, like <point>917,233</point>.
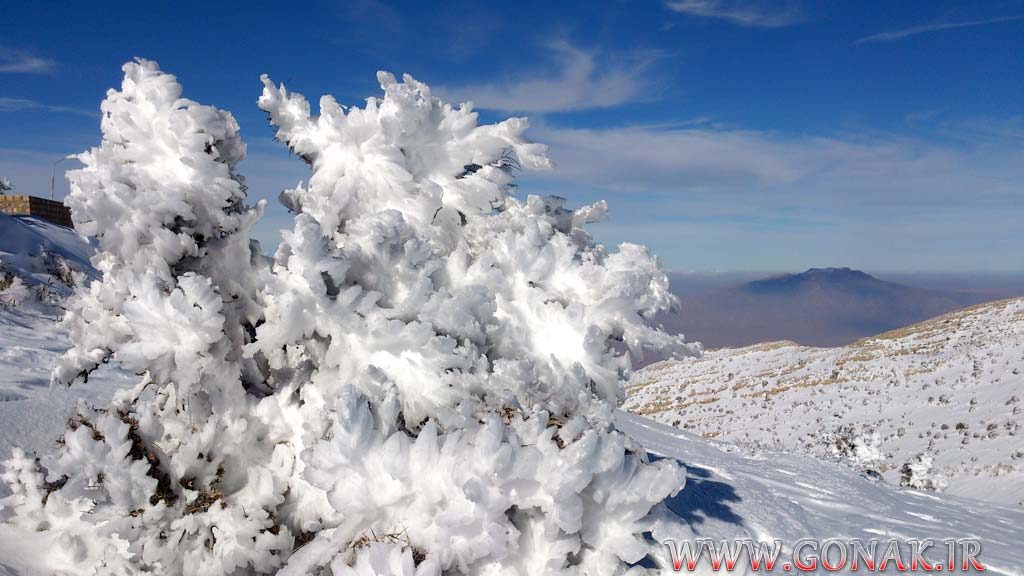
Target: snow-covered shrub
<point>36,273</point>
<point>861,448</point>
<point>13,289</point>
<point>421,382</point>
<point>918,473</point>
<point>30,294</point>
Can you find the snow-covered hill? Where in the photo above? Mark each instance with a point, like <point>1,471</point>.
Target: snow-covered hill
<point>767,495</point>
<point>40,262</point>
<point>32,414</point>
<point>728,494</point>
<point>949,389</point>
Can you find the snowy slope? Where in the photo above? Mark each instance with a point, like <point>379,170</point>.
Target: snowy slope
<point>771,495</point>
<point>729,494</point>
<point>40,262</point>
<point>32,414</point>
<point>764,495</point>
<point>39,258</point>
<point>24,238</point>
<point>731,491</point>
<point>950,388</point>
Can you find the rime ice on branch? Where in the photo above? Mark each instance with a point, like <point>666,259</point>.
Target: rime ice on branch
<point>420,382</point>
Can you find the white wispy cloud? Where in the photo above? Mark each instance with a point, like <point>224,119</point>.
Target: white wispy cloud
<point>751,13</point>
<point>22,105</point>
<point>936,27</point>
<point>579,83</point>
<point>700,196</point>
<point>714,165</point>
<point>19,61</point>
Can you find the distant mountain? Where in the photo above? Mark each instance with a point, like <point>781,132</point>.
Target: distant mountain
<point>819,307</point>
<point>933,405</point>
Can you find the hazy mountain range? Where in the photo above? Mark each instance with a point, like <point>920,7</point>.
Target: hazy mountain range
<point>819,307</point>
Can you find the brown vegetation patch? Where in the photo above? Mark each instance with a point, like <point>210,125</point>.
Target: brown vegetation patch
<point>139,451</point>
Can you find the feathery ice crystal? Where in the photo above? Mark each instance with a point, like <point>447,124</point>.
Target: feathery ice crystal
<point>420,382</point>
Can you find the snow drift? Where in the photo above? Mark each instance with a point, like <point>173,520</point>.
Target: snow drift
<point>422,381</point>
<point>40,263</point>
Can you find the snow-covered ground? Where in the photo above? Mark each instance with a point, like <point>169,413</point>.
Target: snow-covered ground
<point>732,491</point>
<point>951,388</point>
<point>729,493</point>
<point>34,256</point>
<point>25,238</point>
<point>32,414</point>
<point>769,495</point>
<point>39,255</point>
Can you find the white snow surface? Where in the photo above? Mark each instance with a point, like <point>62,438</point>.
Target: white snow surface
<point>23,239</point>
<point>950,389</point>
<point>32,413</point>
<point>765,494</point>
<point>730,492</point>
<point>40,263</point>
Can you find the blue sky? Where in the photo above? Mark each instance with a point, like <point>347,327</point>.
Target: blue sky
<point>725,134</point>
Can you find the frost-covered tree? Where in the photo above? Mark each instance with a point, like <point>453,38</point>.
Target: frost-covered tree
<point>137,485</point>
<point>5,185</point>
<point>420,382</point>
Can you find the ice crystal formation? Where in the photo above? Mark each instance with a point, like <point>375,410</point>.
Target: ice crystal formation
<point>420,381</point>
